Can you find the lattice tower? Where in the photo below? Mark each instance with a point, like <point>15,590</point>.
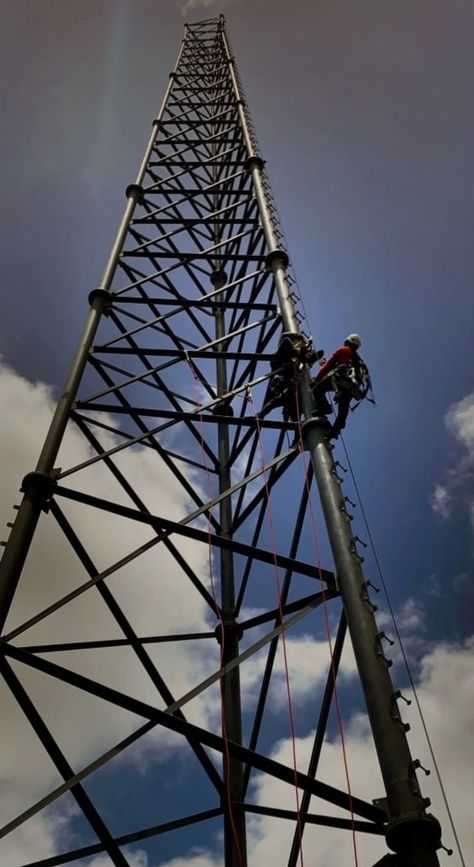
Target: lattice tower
<point>165,536</point>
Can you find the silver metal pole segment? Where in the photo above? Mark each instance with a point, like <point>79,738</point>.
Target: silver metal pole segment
<point>38,484</point>
<point>412,833</point>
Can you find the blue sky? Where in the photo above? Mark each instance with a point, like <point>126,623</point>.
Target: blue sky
<point>363,113</point>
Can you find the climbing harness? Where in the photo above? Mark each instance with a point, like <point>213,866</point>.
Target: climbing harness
<point>294,352</point>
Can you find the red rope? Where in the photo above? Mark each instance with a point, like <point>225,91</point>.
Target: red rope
<point>327,624</point>
<point>280,607</point>
<point>226,756</point>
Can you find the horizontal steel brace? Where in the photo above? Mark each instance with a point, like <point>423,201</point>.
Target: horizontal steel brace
<point>198,304</point>
<point>315,819</point>
<point>122,642</point>
<point>195,221</point>
<point>195,164</point>
<point>148,412</point>
<point>217,188</point>
<point>186,258</point>
<point>185,353</point>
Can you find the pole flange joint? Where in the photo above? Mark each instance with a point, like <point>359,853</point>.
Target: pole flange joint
<point>277,256</point>
<point>316,421</point>
<point>101,294</point>
<point>222,408</point>
<point>404,828</point>
<point>39,484</point>
<point>135,191</point>
<point>254,161</point>
<point>218,276</point>
<point>231,629</point>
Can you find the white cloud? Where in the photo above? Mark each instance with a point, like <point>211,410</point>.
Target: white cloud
<point>411,617</point>
<point>308,663</point>
<point>441,502</point>
<point>459,421</point>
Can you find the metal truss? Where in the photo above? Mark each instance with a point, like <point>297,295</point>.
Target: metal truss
<point>174,365</point>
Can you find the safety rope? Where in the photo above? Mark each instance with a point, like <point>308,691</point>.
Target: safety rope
<point>317,548</point>
<point>404,655</point>
<point>283,637</point>
<point>226,755</point>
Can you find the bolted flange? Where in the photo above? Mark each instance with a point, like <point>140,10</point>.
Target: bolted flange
<point>134,190</point>
<point>218,276</point>
<point>231,629</point>
<point>101,294</point>
<point>403,829</point>
<point>222,408</point>
<point>254,162</point>
<point>40,486</point>
<point>279,256</point>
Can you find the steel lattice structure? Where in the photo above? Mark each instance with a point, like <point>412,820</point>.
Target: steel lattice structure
<point>162,443</point>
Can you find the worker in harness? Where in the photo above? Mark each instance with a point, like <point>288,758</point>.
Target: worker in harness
<point>347,375</point>
<point>294,351</point>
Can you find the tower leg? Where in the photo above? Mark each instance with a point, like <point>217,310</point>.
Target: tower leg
<point>234,823</point>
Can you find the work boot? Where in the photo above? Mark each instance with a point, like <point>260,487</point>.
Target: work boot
<point>275,399</point>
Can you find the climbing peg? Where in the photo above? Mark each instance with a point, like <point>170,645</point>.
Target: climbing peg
<point>398,695</point>
<point>387,662</point>
<point>355,553</point>
<point>346,513</point>
<point>382,635</point>
<point>417,764</point>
